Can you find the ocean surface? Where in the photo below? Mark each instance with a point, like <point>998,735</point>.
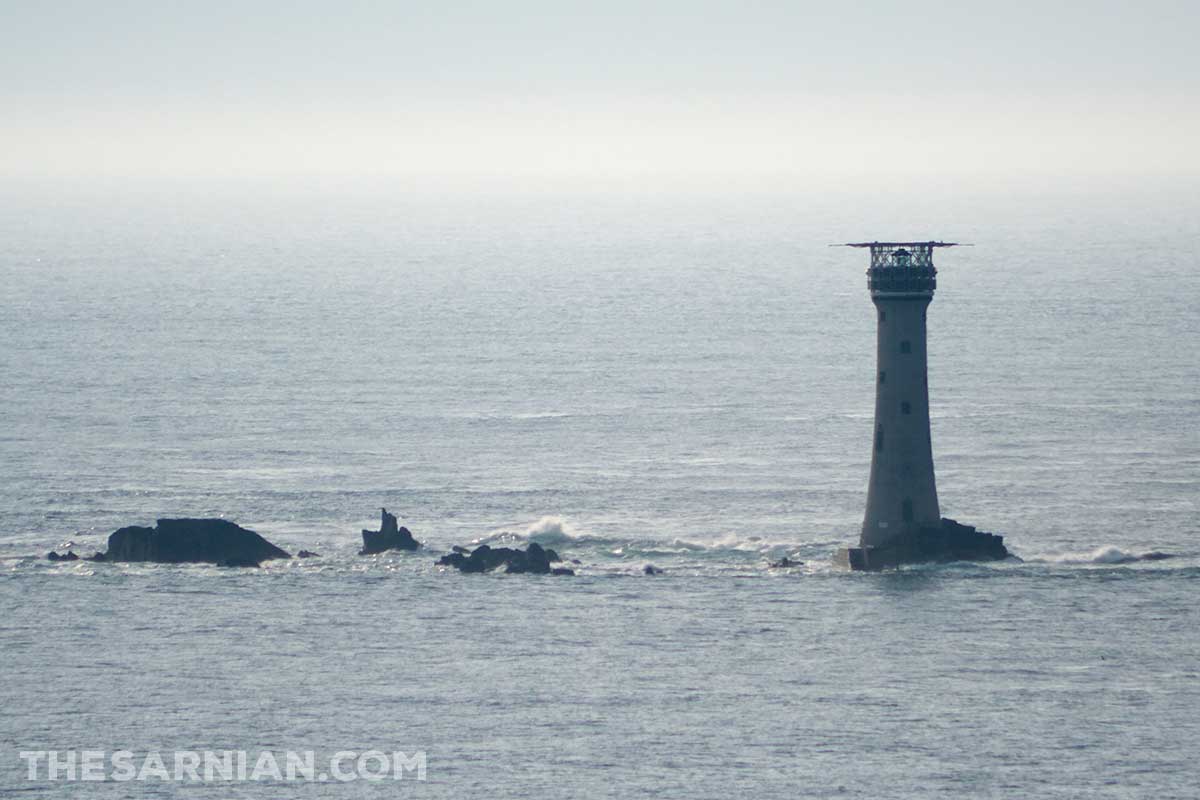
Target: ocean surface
<point>632,377</point>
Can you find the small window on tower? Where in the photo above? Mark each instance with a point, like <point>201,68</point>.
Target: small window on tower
<point>879,439</point>
<point>882,376</point>
<point>882,315</point>
<point>905,408</point>
<point>906,346</point>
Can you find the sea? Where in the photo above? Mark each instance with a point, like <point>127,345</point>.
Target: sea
<point>634,375</point>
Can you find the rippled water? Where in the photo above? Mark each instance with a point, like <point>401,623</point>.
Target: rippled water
<point>686,382</point>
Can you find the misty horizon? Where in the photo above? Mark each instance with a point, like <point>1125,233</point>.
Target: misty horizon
<point>679,93</point>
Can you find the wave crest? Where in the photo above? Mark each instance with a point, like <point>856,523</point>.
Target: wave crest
<point>1108,554</point>
<point>551,530</point>
<point>547,530</point>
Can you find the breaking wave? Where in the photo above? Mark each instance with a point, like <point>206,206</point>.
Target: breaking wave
<point>551,530</point>
<point>729,550</point>
<point>547,530</point>
<point>1108,554</point>
<point>557,531</point>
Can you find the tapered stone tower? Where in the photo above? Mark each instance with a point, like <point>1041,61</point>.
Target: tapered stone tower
<point>902,493</point>
<point>903,521</point>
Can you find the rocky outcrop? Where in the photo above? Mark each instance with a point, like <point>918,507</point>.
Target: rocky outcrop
<point>534,559</point>
<point>785,563</point>
<point>67,556</point>
<point>388,537</point>
<point>307,554</point>
<point>650,569</point>
<point>951,541</point>
<point>179,541</point>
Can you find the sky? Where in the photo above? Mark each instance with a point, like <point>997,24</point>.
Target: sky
<point>531,89</point>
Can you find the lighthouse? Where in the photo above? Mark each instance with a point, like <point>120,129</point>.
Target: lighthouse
<point>903,520</point>
<point>902,492</point>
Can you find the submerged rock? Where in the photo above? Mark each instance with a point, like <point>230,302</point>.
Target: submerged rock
<point>67,556</point>
<point>238,562</point>
<point>950,541</point>
<point>650,569</point>
<point>785,562</point>
<point>178,541</point>
<point>307,554</point>
<point>388,537</point>
<point>534,559</point>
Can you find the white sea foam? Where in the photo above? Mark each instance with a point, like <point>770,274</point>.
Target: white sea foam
<point>732,541</point>
<point>551,530</point>
<point>1107,554</point>
<point>556,530</point>
<point>547,530</point>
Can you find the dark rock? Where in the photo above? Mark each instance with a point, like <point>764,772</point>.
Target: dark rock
<point>307,554</point>
<point>786,562</point>
<point>534,560</point>
<point>67,556</point>
<point>1153,555</point>
<point>562,571</point>
<point>239,562</point>
<point>388,537</point>
<point>518,561</point>
<point>460,549</point>
<point>97,557</point>
<point>552,556</point>
<point>950,541</point>
<point>650,569</point>
<point>483,559</point>
<point>177,541</point>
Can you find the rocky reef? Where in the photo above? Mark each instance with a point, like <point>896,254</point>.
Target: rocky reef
<point>951,541</point>
<point>534,559</point>
<point>178,541</point>
<point>388,537</point>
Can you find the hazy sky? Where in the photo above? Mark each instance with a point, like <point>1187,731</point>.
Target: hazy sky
<point>524,88</point>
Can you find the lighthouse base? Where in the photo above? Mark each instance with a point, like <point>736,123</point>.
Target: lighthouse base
<point>949,542</point>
